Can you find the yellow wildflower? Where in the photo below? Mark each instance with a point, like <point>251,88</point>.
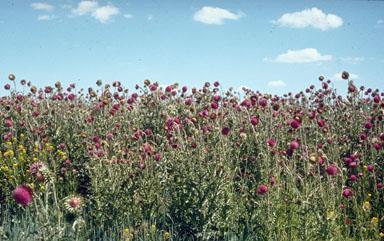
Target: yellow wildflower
<point>331,215</point>
<point>313,158</point>
<point>9,153</point>
<point>166,235</point>
<point>366,206</point>
<point>375,220</point>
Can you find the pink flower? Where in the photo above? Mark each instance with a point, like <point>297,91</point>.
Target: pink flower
<point>116,106</point>
<point>216,98</point>
<point>246,103</point>
<point>254,120</point>
<point>381,136</point>
<point>71,97</point>
<point>37,169</point>
<point>225,131</point>
<point>262,189</point>
<point>347,160</point>
<point>353,178</point>
<point>61,146</point>
<point>331,170</point>
<point>109,135</point>
<point>295,124</point>
<point>376,99</point>
<point>347,193</point>
<point>188,101</point>
<point>321,160</point>
<point>377,146</point>
<point>294,145</point>
<point>147,148</point>
<point>263,102</point>
<point>214,105</point>
<point>23,195</point>
<point>96,139</point>
<point>353,165</point>
<point>368,125</point>
<point>370,168</point>
<point>169,88</point>
<point>74,202</point>
<point>158,156</point>
<point>153,87</point>
<point>321,123</point>
<point>8,123</point>
<point>363,136</point>
<point>271,142</point>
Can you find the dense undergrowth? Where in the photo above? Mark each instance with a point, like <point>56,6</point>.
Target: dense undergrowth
<point>202,164</point>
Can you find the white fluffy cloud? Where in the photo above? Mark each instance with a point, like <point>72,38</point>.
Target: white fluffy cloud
<point>214,15</point>
<point>307,55</point>
<point>277,83</point>
<point>101,13</point>
<point>42,6</point>
<point>312,17</point>
<point>85,7</point>
<point>337,76</point>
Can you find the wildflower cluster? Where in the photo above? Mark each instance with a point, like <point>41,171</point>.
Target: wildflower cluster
<point>177,163</point>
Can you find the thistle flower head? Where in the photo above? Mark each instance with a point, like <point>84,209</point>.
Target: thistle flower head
<point>262,189</point>
<point>23,195</point>
<point>73,204</point>
<point>39,171</point>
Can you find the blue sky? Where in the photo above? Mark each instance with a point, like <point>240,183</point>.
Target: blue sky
<point>272,46</point>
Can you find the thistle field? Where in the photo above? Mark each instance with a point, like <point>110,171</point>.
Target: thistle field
<point>182,163</point>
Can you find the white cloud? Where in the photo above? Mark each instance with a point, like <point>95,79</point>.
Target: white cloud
<point>313,17</point>
<point>337,76</point>
<point>44,17</point>
<point>100,13</point>
<point>103,14</point>
<point>277,83</point>
<point>85,7</point>
<point>42,6</point>
<point>215,16</point>
<point>128,16</point>
<point>352,60</point>
<point>307,55</point>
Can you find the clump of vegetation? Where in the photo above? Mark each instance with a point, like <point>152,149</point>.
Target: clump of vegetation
<point>202,164</point>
